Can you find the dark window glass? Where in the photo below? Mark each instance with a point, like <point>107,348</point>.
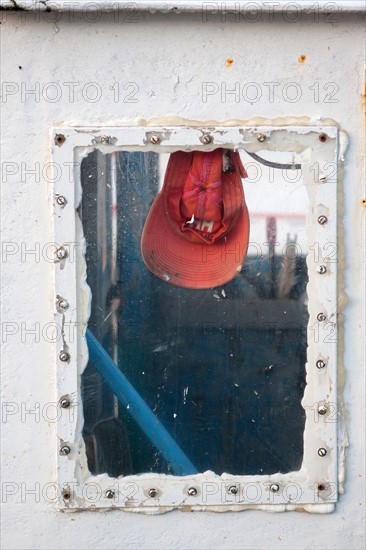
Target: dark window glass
<point>222,369</point>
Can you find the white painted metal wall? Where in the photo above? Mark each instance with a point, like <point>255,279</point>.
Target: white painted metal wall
<point>139,68</point>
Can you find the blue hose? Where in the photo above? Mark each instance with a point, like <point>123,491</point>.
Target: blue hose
<point>138,409</point>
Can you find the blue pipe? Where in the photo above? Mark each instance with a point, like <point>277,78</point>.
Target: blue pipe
<point>138,409</point>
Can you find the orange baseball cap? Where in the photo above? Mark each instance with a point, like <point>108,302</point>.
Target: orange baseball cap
<point>197,231</point>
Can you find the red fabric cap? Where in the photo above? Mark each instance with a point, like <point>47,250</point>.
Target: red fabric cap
<point>197,231</point>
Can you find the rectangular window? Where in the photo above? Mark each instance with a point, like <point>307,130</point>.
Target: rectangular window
<point>227,390</point>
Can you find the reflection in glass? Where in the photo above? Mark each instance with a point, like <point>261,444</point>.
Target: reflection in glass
<point>223,369</point>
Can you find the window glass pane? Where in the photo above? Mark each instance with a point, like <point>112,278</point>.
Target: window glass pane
<point>222,369</point>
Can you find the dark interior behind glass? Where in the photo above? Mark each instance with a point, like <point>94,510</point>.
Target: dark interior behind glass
<point>223,369</point>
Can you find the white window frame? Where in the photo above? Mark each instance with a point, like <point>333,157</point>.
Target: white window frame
<point>315,486</point>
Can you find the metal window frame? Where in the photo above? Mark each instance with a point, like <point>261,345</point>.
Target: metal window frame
<point>315,486</point>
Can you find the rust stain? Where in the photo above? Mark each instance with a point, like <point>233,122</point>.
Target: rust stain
<point>302,58</point>
<point>229,62</point>
<point>60,139</point>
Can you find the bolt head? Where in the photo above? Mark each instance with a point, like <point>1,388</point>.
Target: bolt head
<point>322,451</point>
<point>65,450</point>
<point>192,491</point>
<point>261,138</point>
<point>154,139</point>
<point>321,269</point>
<point>66,495</point>
<point>206,139</point>
<point>61,200</point>
<point>65,403</point>
<point>60,139</point>
<point>234,489</point>
<point>110,493</point>
<point>323,137</point>
<point>322,220</point>
<point>152,493</point>
<point>64,356</point>
<point>61,253</point>
<point>320,364</point>
<point>63,304</point>
<point>322,410</point>
<point>104,139</point>
<point>321,317</point>
<point>274,487</point>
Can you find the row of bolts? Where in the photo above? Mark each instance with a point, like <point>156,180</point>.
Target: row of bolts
<point>206,139</point>
<point>192,491</point>
<point>155,139</point>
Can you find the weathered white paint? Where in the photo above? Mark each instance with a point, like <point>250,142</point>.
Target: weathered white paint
<point>168,58</point>
<point>191,5</point>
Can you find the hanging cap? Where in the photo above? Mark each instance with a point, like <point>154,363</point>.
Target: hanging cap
<point>197,230</point>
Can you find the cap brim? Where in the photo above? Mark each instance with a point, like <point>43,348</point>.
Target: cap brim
<point>187,264</point>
